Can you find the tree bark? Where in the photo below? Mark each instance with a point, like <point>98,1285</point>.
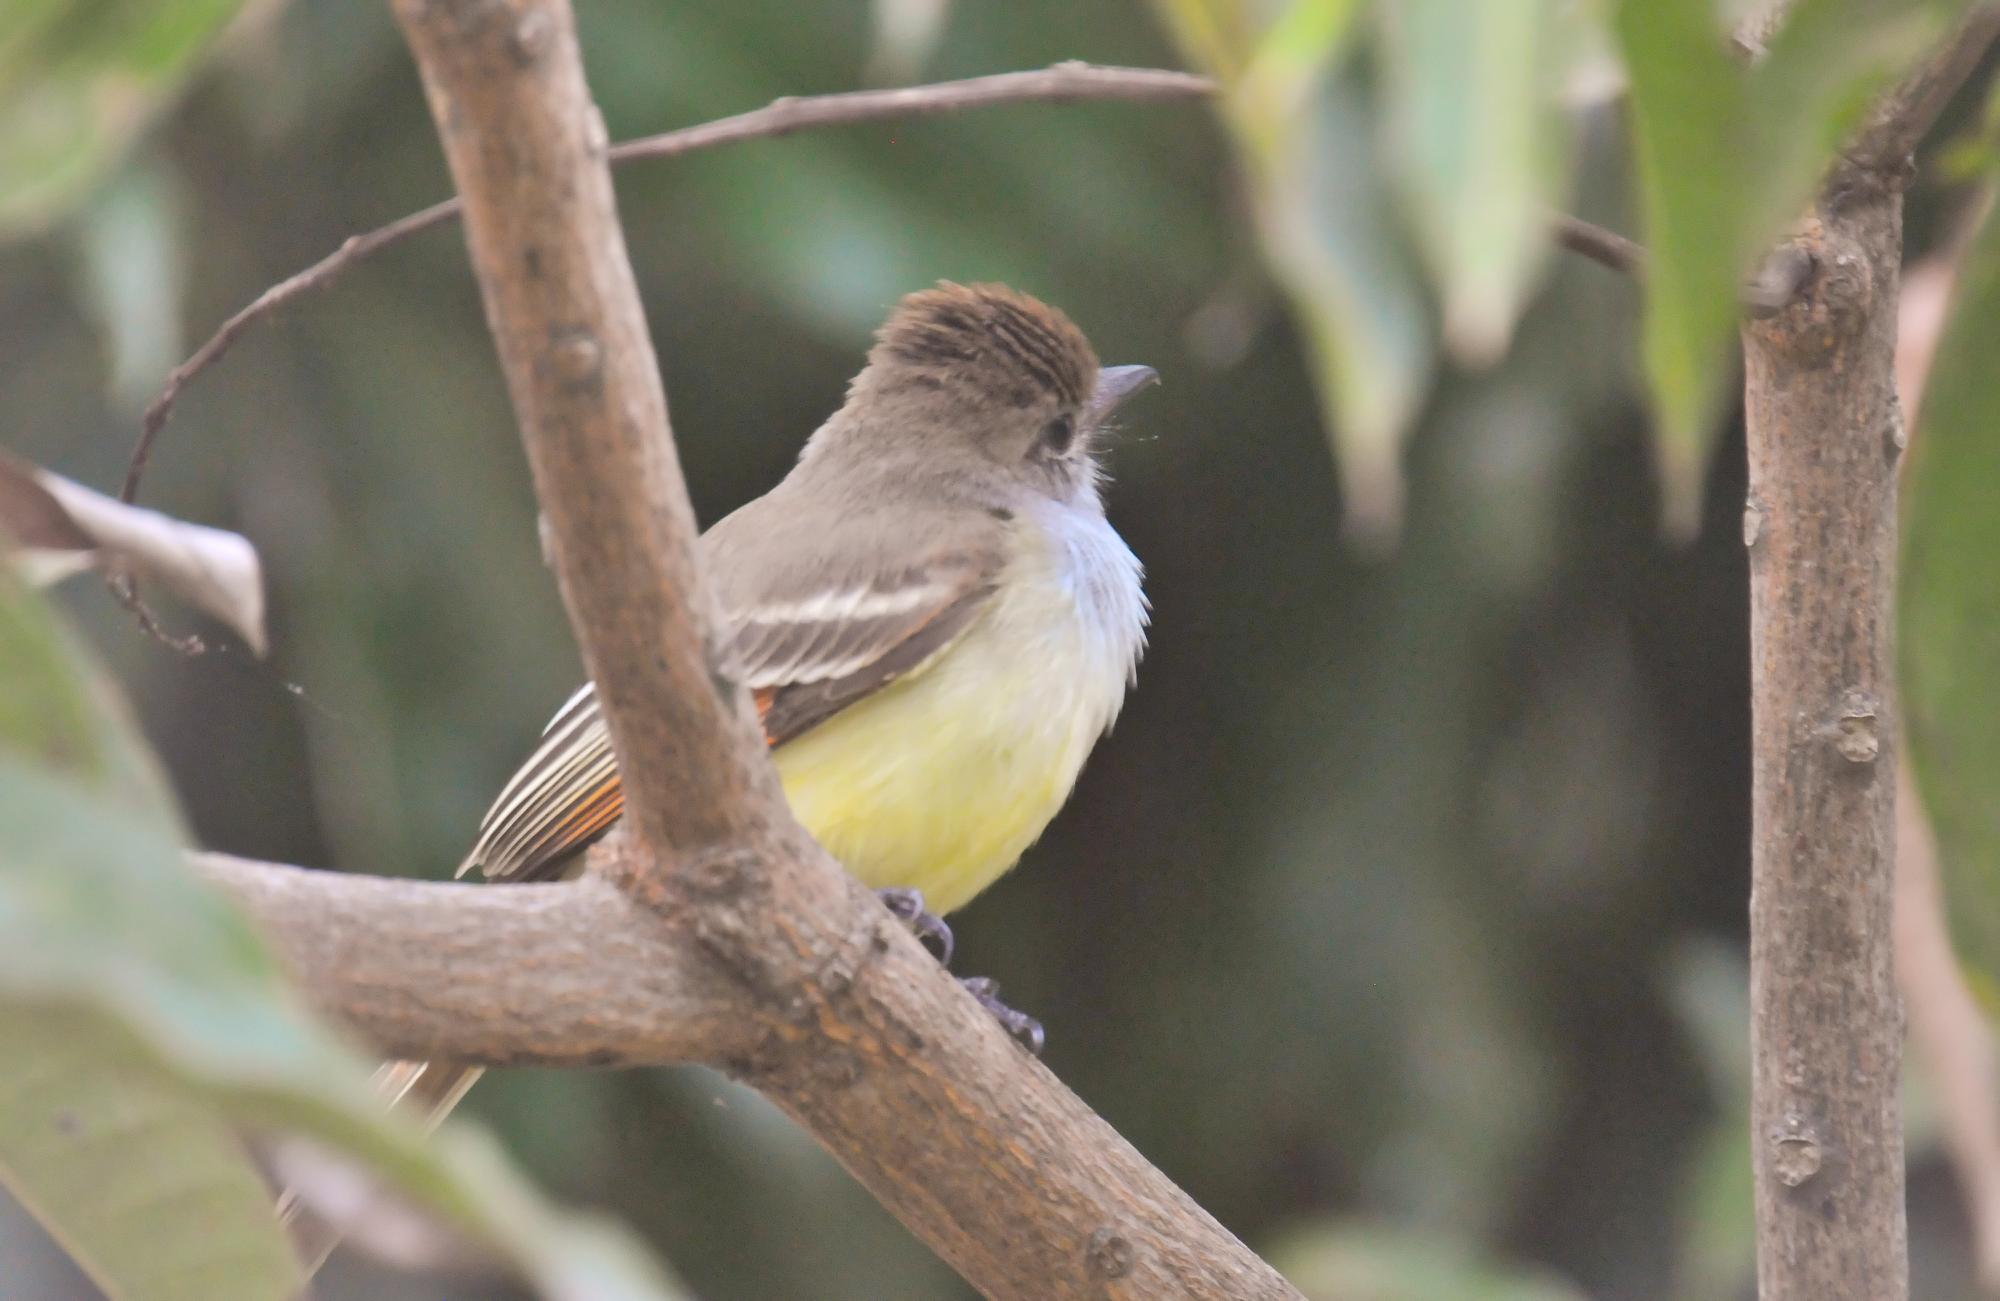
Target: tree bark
<point>1827,1024</point>
<point>1825,435</point>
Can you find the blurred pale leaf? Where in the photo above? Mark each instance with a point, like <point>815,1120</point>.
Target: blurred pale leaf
<point>133,273</point>
<point>1326,226</point>
<point>61,525</point>
<point>79,79</point>
<point>1481,149</point>
<point>1588,70</point>
<point>112,951</point>
<point>1949,631</point>
<point>906,34</point>
<point>1726,158</point>
<point>1347,1261</point>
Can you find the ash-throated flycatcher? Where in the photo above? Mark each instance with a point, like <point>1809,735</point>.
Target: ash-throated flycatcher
<point>934,616</point>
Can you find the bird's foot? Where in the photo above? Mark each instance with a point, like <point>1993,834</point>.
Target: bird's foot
<point>907,906</point>
<point>1025,1029</point>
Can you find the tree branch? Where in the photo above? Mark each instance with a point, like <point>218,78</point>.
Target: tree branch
<point>845,1021</point>
<point>546,975</point>
<point>1825,434</point>
<point>1063,83</point>
<point>1606,247</point>
<point>1900,122</point>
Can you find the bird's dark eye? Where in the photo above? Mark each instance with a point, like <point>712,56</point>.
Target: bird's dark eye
<point>1058,434</point>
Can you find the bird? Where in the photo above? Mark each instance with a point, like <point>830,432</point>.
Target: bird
<point>934,616</point>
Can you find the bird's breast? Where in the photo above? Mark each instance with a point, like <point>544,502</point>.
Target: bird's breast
<point>942,780</point>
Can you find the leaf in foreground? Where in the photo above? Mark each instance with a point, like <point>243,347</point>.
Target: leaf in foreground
<point>79,80</point>
<point>1949,621</point>
<point>1727,156</point>
<point>137,1176</point>
<point>128,983</point>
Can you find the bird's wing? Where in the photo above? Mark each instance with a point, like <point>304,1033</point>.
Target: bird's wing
<point>804,658</point>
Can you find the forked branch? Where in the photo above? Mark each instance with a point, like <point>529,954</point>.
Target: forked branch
<point>711,927</point>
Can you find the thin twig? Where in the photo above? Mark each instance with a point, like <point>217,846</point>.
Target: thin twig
<point>126,589</point>
<point>1062,83</point>
<point>1603,246</point>
<point>317,276</point>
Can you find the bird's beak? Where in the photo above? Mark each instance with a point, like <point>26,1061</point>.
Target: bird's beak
<point>1114,385</point>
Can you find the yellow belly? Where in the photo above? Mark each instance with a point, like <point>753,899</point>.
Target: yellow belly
<point>942,780</point>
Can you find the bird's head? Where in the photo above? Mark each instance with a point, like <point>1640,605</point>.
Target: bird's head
<point>995,371</point>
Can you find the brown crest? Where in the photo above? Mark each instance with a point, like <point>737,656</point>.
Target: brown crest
<point>1021,345</point>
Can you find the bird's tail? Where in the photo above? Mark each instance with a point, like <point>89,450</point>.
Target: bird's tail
<point>319,1223</point>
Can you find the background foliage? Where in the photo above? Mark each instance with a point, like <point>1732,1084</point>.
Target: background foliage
<point>1409,891</point>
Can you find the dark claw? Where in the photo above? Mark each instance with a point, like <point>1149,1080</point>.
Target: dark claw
<point>1025,1029</point>
<point>907,906</point>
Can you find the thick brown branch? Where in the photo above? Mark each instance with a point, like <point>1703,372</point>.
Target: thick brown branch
<point>526,148</point>
<point>554,975</point>
<point>880,1055</point>
<point>577,974</point>
<point>1825,435</point>
<point>1064,83</point>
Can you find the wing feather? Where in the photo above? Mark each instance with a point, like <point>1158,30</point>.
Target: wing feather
<point>805,658</point>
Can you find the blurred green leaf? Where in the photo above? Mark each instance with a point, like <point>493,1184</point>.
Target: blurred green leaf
<point>1481,150</point>
<point>128,983</point>
<point>1366,1262</point>
<point>1949,630</point>
<point>79,79</point>
<point>143,1183</point>
<point>1727,157</point>
<point>1718,1213</point>
<point>1327,229</point>
<point>1708,987</point>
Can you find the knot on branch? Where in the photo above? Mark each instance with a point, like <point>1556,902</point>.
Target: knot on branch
<point>1797,1154</point>
<point>529,37</point>
<point>575,357</point>
<point>1854,730</point>
<point>1859,176</point>
<point>1109,1253</point>
<point>1812,295</point>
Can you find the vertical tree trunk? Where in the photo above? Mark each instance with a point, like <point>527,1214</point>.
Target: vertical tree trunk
<point>1827,1024</point>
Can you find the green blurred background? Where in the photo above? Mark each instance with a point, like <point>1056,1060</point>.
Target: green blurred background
<point>1409,892</point>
